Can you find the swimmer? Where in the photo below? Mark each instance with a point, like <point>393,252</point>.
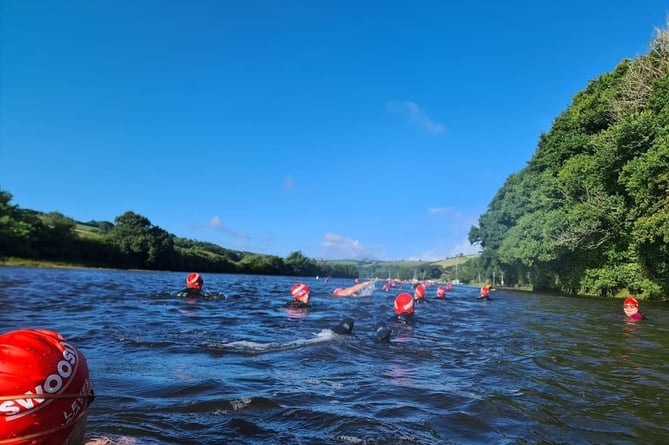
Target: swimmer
<point>485,291</point>
<point>193,287</point>
<point>300,293</point>
<point>419,293</point>
<point>45,389</point>
<point>382,332</point>
<point>403,308</point>
<point>631,309</point>
<point>345,327</point>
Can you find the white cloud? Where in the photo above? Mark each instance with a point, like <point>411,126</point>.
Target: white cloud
<point>457,219</point>
<point>463,247</point>
<point>416,116</point>
<point>339,247</point>
<point>454,226</point>
<point>216,223</point>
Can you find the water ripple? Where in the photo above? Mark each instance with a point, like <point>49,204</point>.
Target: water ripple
<point>239,368</point>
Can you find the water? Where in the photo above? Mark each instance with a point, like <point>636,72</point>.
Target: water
<point>519,369</point>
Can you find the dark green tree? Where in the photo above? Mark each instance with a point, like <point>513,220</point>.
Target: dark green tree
<point>299,265</point>
<point>140,244</point>
<point>589,211</point>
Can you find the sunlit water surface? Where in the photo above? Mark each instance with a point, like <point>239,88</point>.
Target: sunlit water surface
<point>521,368</point>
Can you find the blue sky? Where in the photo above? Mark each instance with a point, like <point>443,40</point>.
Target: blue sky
<point>342,129</point>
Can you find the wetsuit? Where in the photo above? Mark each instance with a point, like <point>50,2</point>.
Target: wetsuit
<point>344,327</point>
<point>402,318</point>
<point>296,304</point>
<point>382,332</point>
<point>189,292</point>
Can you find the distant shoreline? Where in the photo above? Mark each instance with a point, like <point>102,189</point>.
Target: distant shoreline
<point>622,294</point>
<point>21,262</point>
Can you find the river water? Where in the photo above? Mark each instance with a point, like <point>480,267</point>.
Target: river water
<point>241,368</point>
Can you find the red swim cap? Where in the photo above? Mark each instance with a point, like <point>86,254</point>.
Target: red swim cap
<point>441,291</point>
<point>631,300</point>
<point>194,281</point>
<point>45,389</point>
<point>404,304</point>
<point>420,291</point>
<point>299,290</point>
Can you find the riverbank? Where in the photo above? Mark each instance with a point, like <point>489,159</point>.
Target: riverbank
<point>623,293</point>
<point>23,262</point>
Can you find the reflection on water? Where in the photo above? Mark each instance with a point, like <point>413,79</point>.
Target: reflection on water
<point>243,368</point>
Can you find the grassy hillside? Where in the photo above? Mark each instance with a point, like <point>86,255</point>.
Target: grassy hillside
<point>448,262</point>
<point>88,231</point>
<point>405,269</point>
<point>456,261</point>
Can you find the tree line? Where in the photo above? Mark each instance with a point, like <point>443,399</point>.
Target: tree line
<point>133,242</point>
<point>589,213</point>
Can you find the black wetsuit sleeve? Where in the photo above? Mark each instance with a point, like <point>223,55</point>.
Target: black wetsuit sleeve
<point>344,327</point>
<point>189,293</point>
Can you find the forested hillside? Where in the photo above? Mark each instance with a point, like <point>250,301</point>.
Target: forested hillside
<point>590,211</point>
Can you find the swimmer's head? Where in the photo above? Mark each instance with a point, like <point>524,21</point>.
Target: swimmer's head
<point>45,389</point>
<point>404,304</point>
<point>300,292</point>
<point>420,291</point>
<point>630,306</point>
<point>194,281</point>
